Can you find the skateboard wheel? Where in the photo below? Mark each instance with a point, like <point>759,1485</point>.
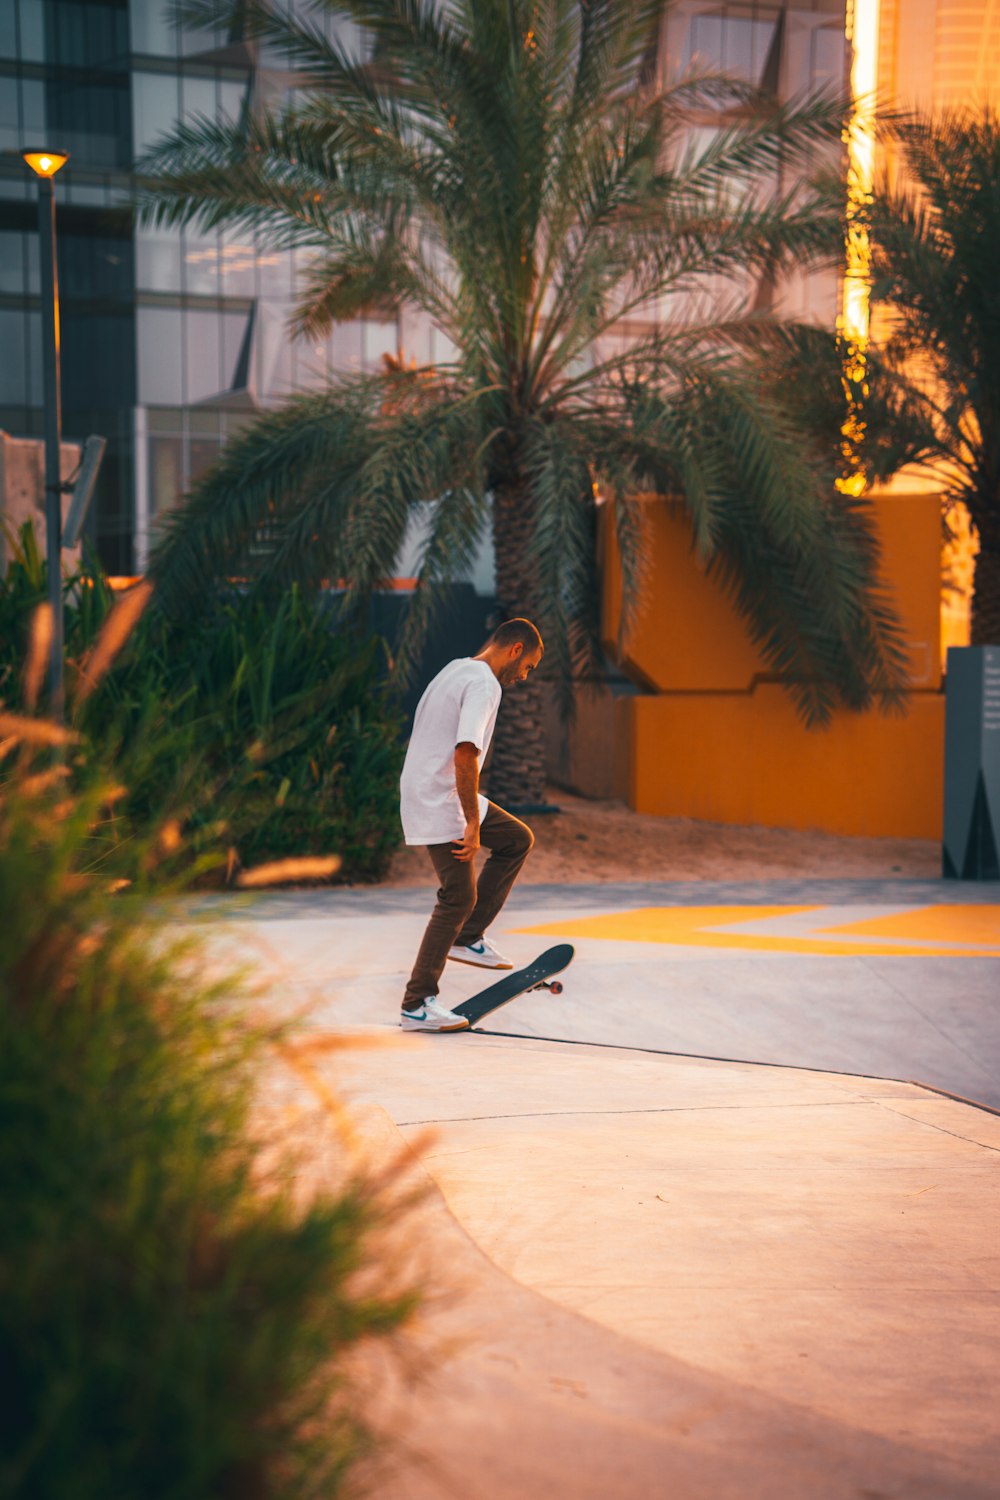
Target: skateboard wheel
<point>556,987</point>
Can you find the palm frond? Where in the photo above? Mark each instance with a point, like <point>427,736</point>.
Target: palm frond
<point>226,528</point>
<point>563,549</point>
<point>935,234</point>
<point>799,564</point>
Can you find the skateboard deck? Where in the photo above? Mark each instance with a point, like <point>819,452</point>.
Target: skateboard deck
<point>536,976</point>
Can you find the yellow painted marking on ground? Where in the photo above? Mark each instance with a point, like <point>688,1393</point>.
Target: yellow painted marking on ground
<point>941,924</point>
<point>694,927</point>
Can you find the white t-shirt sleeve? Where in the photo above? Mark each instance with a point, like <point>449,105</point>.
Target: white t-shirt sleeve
<point>474,719</point>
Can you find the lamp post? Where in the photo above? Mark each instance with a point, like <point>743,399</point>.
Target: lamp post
<point>45,165</point>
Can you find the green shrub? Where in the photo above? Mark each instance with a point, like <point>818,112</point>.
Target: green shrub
<point>265,730</point>
<point>171,1325</point>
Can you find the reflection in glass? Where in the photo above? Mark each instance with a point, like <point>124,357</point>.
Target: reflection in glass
<point>275,352</point>
<point>237,349</point>
<point>10,118</point>
<point>379,339</point>
<point>13,365</point>
<point>33,334</point>
<point>8,28</point>
<point>201,262</point>
<point>204,452</point>
<point>274,270</point>
<point>33,117</point>
<point>239,265</point>
<point>88,194</point>
<point>32,17</point>
<point>311,362</point>
<point>346,347</point>
<point>202,355</point>
<point>154,108</point>
<point>829,57</point>
<point>203,419</point>
<point>415,340</point>
<point>158,334</point>
<point>733,44</point>
<point>199,97</point>
<point>231,99</point>
<point>705,44</point>
<point>168,420</point>
<point>158,260</point>
<point>166,481</point>
<point>444,351</point>
<point>11,267</point>
<point>151,28</point>
<point>195,39</point>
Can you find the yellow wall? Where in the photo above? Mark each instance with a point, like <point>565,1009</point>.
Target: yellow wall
<point>746,759</point>
<point>718,738</point>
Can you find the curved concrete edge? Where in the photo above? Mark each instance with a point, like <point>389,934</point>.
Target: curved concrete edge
<point>742,1062</point>
<point>932,1088</point>
<point>504,1394</point>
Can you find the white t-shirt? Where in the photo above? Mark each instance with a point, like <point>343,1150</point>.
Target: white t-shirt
<point>459,706</point>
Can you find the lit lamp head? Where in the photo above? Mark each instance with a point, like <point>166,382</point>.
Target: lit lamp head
<point>45,163</point>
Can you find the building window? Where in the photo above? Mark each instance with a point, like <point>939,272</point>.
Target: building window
<point>238,264</point>
<point>730,41</point>
<point>151,28</point>
<point>12,267</point>
<point>158,260</point>
<point>166,472</point>
<point>8,28</point>
<point>155,108</point>
<point>159,339</point>
<point>14,365</point>
<point>202,356</point>
<point>380,339</point>
<point>31,28</point>
<point>829,58</point>
<point>183,444</point>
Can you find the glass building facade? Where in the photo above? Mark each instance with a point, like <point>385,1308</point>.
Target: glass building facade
<point>171,339</point>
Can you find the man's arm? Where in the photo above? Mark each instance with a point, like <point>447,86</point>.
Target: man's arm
<point>467,784</point>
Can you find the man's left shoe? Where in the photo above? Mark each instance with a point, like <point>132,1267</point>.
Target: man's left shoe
<point>482,954</point>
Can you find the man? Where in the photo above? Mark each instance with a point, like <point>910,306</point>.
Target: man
<point>442,809</point>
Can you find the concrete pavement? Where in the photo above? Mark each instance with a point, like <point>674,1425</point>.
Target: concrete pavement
<point>772,1273</point>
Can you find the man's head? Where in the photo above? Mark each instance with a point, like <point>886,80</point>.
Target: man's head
<point>513,651</point>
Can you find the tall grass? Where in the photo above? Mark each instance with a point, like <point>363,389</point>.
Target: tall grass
<point>266,732</point>
<point>172,1325</point>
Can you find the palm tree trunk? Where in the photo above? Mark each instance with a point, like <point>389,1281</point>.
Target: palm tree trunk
<point>517,771</point>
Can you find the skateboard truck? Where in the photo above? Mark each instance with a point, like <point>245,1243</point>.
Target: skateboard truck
<point>554,986</point>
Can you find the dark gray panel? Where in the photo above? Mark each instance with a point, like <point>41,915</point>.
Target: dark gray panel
<point>972,763</point>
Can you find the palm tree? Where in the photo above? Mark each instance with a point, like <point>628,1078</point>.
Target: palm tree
<point>935,230</point>
<point>512,169</point>
<point>928,392</point>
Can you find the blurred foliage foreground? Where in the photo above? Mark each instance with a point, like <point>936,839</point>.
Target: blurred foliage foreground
<point>257,732</point>
<point>175,1311</point>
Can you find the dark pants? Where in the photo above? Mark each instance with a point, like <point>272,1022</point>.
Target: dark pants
<point>464,907</point>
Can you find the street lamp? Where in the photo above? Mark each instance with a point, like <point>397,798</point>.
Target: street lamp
<point>45,165</point>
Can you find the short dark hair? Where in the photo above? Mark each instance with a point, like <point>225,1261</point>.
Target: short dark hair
<point>513,631</point>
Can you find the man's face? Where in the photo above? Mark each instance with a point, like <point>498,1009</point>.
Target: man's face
<point>519,665</point>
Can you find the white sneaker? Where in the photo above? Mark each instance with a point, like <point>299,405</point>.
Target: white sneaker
<point>482,954</point>
<point>432,1016</point>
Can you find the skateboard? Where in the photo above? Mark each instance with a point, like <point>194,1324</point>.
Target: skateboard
<point>537,976</point>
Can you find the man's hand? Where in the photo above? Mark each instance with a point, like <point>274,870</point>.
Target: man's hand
<point>465,848</point>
